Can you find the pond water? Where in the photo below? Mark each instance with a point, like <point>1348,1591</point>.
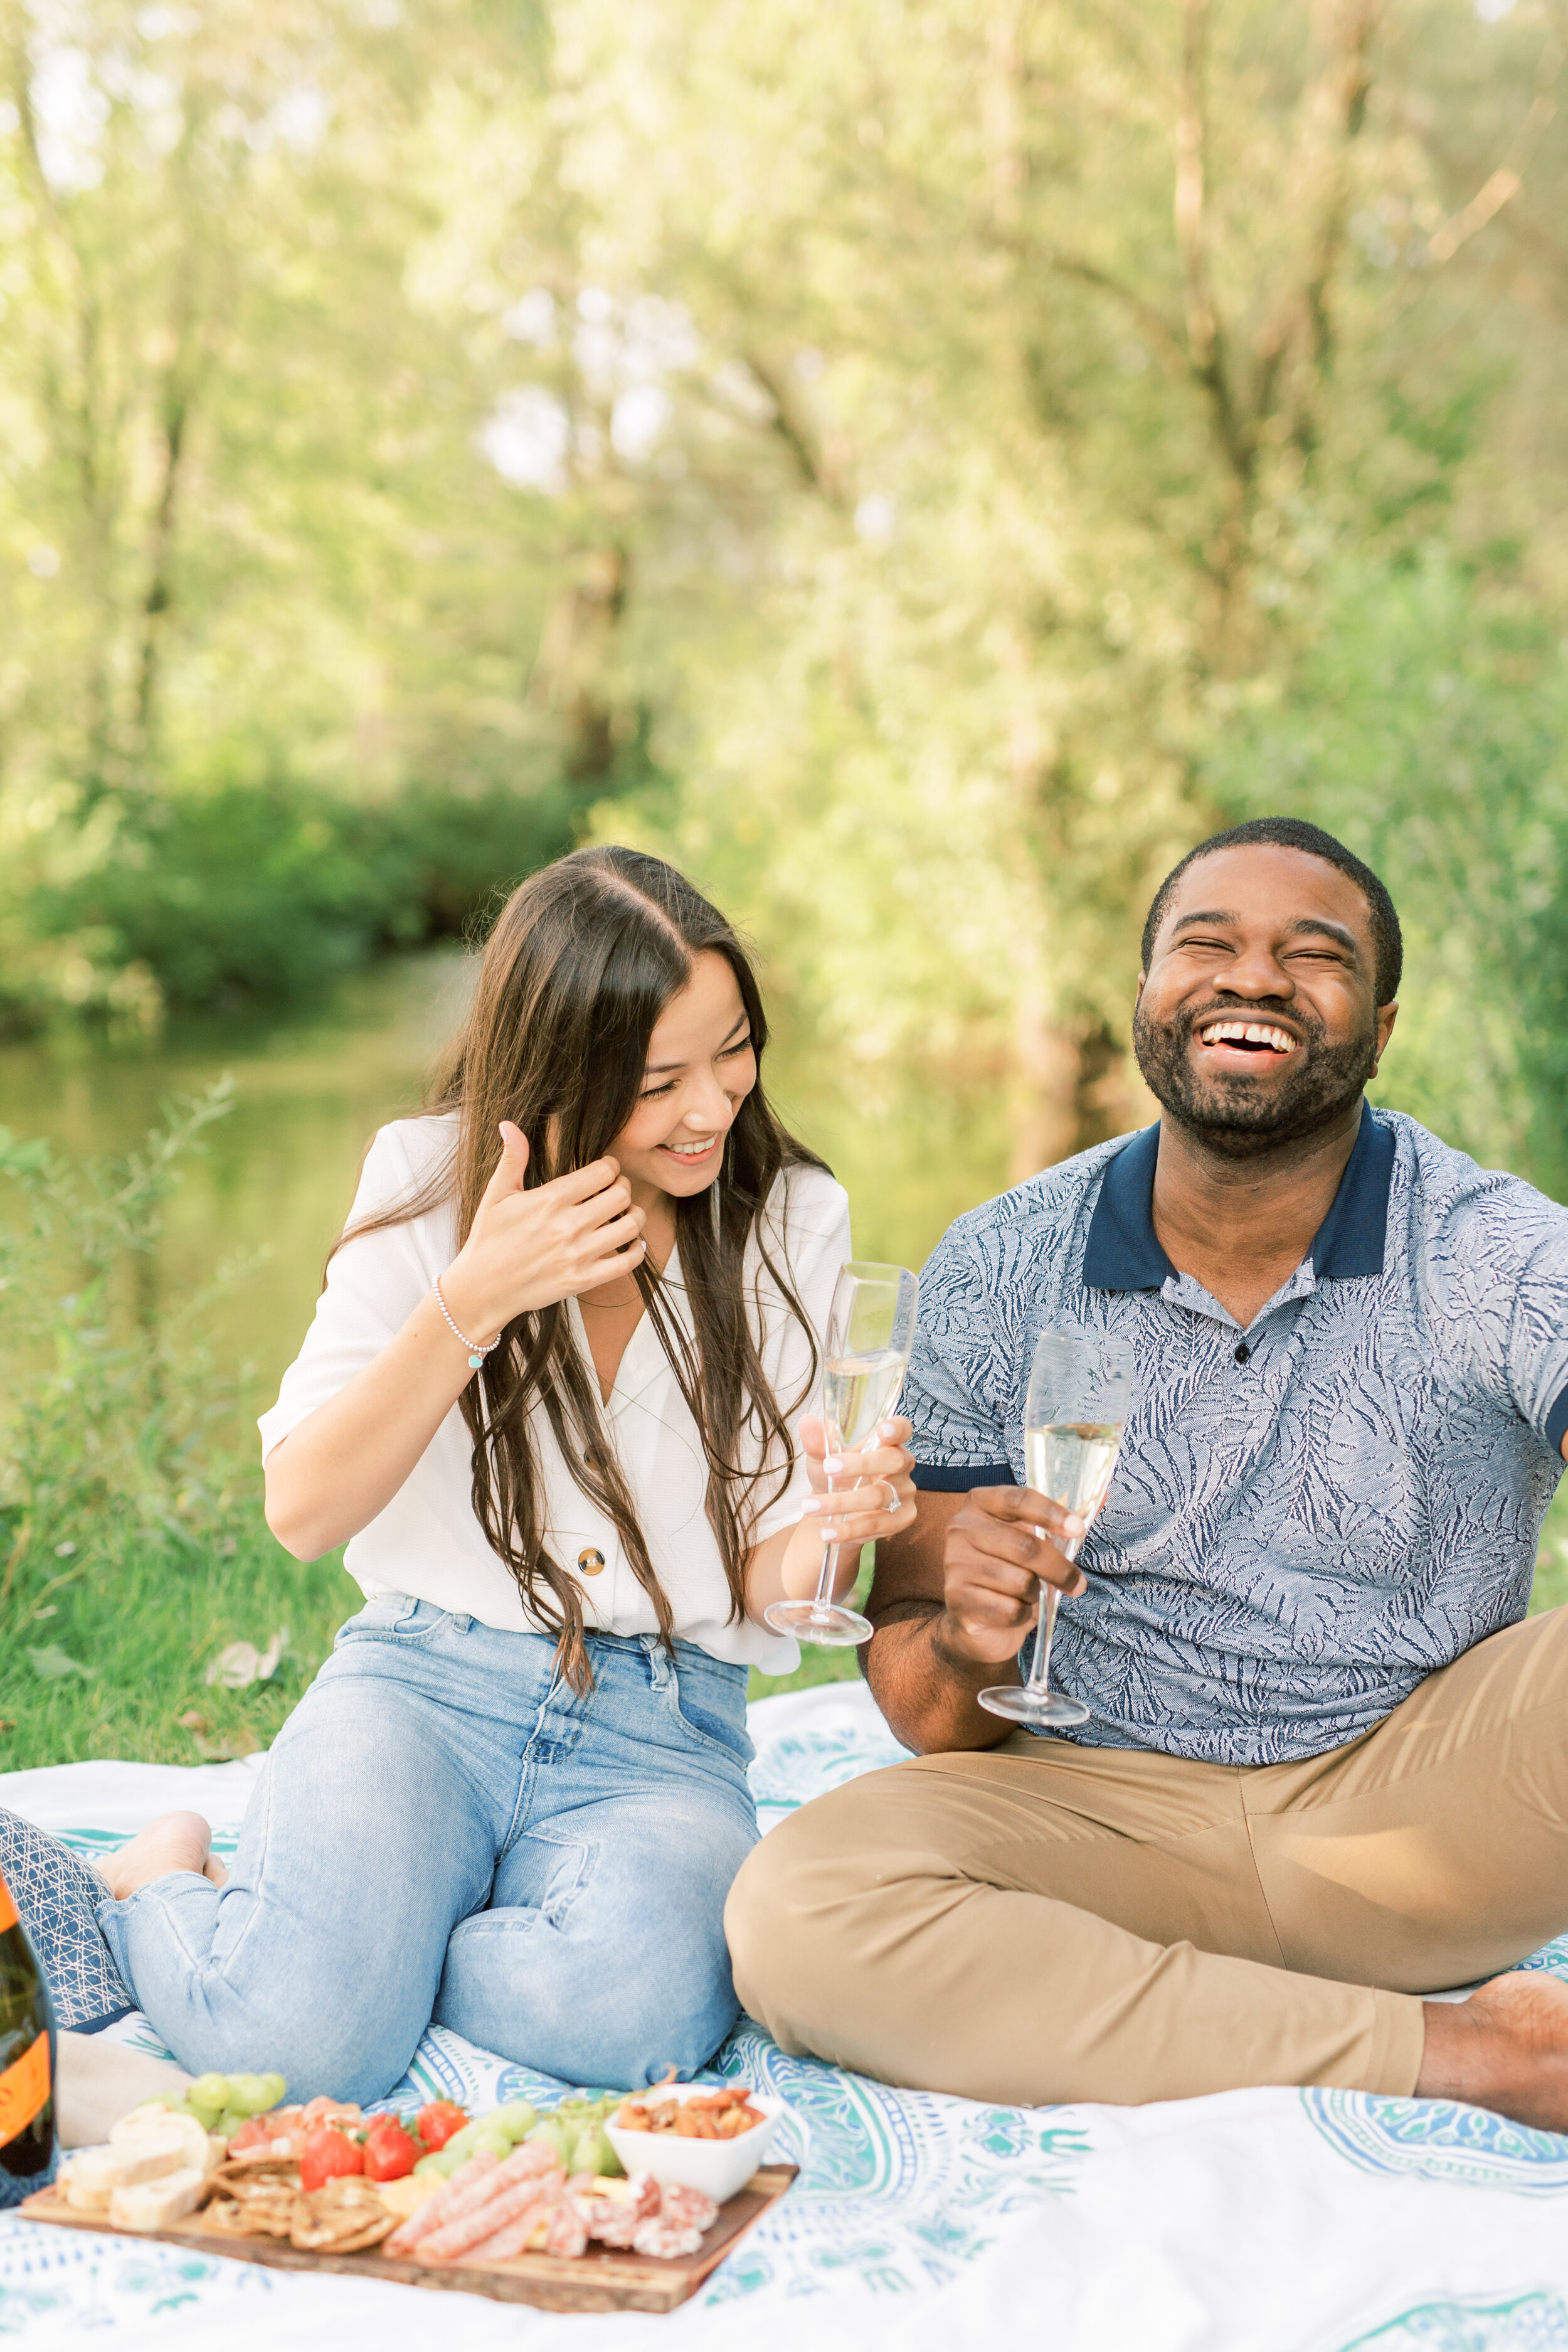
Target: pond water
<point>278,1173</point>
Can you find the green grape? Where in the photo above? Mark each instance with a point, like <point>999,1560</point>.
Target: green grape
<point>251,2095</point>
<point>592,2152</point>
<point>207,2097</point>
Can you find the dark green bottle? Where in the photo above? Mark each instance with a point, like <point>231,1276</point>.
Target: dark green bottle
<point>28,2148</point>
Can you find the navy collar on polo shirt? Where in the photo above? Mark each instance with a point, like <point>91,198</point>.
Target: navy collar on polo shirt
<point>1124,1251</point>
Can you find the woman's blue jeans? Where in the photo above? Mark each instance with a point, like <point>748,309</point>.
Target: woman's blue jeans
<point>445,1829</point>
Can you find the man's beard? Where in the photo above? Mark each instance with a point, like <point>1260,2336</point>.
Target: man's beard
<point>1227,1111</point>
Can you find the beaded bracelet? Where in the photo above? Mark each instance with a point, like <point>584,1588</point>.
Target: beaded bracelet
<point>476,1354</point>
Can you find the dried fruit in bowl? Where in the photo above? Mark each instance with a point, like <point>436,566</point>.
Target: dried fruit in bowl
<point>707,2114</point>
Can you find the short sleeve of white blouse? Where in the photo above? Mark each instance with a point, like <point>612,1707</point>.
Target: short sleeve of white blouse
<point>428,1543</point>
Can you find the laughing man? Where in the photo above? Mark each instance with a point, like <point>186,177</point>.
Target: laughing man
<point>1326,1769</point>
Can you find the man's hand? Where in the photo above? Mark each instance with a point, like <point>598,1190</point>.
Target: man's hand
<point>1002,1543</point>
<point>952,1601</point>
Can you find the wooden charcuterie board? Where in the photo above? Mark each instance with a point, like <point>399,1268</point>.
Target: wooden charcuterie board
<point>601,2280</point>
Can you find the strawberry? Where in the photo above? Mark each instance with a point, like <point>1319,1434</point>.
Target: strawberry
<point>391,2151</point>
<point>327,2155</point>
<point>439,2122</point>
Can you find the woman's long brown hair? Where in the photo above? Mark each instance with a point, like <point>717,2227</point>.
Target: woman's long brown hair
<point>583,959</point>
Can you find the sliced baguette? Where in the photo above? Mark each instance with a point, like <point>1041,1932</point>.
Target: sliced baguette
<point>160,2127</point>
<point>153,2204</point>
<point>99,2171</point>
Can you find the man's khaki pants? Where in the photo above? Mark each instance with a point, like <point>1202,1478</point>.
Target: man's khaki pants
<point>1046,1922</point>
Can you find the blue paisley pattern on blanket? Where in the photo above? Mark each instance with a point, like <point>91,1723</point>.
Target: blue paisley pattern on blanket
<point>903,2185</point>
<point>797,1766</point>
<point>1530,2323</point>
<point>899,2191</point>
<point>1438,2140</point>
<point>1302,1529</point>
<point>1553,1958</point>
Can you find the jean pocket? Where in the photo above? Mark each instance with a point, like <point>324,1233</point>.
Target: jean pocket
<point>711,1705</point>
<point>393,1617</point>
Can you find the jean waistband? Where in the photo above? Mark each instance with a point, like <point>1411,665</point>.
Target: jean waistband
<point>608,1646</point>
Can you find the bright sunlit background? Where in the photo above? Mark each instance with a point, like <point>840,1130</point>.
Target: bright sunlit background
<point>918,466</point>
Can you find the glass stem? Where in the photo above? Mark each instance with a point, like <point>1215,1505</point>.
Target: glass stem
<point>1045,1633</point>
<point>826,1575</point>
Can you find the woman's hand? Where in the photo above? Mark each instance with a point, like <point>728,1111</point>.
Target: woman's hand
<point>532,1249</point>
<point>874,1496</point>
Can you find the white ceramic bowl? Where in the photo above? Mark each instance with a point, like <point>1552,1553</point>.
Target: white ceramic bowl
<point>718,2166</point>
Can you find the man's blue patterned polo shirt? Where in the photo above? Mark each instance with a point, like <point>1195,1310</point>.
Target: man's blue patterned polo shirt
<point>1309,1517</point>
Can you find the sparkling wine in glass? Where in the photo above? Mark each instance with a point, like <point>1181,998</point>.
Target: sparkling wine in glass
<point>870,1330</point>
<point>1079,1385</point>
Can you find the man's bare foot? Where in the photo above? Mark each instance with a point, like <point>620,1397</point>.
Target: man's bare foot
<point>1505,2048</point>
<point>174,1841</point>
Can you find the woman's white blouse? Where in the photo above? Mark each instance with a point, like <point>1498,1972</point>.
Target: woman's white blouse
<point>429,1543</point>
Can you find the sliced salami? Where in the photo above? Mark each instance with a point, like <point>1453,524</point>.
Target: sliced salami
<point>508,2198</point>
<point>462,2192</point>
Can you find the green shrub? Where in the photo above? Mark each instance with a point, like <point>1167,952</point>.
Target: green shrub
<point>1426,726</point>
<point>133,1545</point>
<point>261,892</point>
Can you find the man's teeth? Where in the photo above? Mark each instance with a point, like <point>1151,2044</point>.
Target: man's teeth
<point>1248,1032</point>
<point>692,1150</point>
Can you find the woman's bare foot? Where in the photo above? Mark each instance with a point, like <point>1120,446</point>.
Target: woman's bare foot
<point>174,1841</point>
<point>1505,2048</point>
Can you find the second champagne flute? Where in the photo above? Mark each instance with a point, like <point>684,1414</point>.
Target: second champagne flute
<point>1079,1385</point>
<point>870,1330</point>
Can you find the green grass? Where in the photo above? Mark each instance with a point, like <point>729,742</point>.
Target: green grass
<point>146,1619</point>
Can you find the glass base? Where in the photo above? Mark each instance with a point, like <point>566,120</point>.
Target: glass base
<point>820,1620</point>
<point>1045,1709</point>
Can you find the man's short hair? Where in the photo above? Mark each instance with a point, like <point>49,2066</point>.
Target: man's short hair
<point>1295,833</point>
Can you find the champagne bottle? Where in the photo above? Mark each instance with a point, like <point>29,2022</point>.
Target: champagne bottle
<point>27,2064</point>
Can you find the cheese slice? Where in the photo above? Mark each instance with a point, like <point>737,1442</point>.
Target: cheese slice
<point>153,2204</point>
<point>406,2196</point>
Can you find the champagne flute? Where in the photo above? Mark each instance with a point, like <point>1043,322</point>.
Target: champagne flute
<point>1080,1384</point>
<point>870,1330</point>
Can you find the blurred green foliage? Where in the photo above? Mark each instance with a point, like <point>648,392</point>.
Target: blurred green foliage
<point>1089,421</point>
<point>262,892</point>
<point>1426,724</point>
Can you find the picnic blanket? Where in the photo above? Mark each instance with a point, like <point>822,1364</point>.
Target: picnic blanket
<point>1256,2222</point>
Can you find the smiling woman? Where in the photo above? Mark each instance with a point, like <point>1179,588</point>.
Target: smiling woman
<point>554,1396</point>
